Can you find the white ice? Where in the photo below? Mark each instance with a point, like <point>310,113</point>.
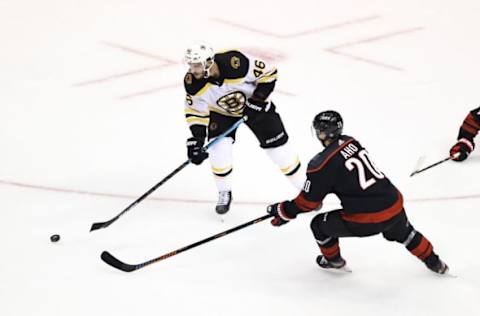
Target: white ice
<point>91,101</point>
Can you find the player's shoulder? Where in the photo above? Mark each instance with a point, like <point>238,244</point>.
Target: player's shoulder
<point>233,64</point>
<point>328,156</point>
<point>193,85</point>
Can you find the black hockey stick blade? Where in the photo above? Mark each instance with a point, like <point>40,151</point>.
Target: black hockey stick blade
<point>114,262</point>
<point>96,226</point>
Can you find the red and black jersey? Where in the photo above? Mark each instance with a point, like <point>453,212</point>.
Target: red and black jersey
<point>345,169</point>
<point>470,126</point>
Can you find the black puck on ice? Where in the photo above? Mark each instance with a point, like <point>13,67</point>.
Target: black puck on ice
<point>54,238</point>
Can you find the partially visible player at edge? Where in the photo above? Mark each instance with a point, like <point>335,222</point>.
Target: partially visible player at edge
<point>221,88</point>
<point>371,204</point>
<point>469,129</point>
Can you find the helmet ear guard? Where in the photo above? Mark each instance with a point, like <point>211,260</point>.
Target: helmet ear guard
<point>328,126</point>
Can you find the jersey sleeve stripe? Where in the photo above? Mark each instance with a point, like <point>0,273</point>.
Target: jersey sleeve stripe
<point>470,120</point>
<point>469,129</point>
<point>305,205</point>
<point>269,77</point>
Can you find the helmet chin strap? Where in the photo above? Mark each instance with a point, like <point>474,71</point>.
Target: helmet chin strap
<point>207,70</point>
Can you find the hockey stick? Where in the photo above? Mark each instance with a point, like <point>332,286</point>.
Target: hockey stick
<point>100,225</point>
<point>433,165</point>
<point>114,262</point>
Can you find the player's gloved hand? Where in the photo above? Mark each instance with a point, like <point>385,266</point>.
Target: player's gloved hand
<point>195,150</point>
<point>279,216</point>
<point>461,149</point>
<point>255,108</point>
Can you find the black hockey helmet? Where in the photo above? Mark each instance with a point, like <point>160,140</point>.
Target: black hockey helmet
<point>328,125</point>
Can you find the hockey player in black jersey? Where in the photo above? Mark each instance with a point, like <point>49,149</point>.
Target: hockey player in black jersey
<point>221,88</point>
<point>469,129</point>
<point>371,204</point>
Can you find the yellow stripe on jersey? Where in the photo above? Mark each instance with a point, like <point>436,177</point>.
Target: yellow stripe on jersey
<point>291,167</point>
<point>223,112</point>
<point>192,120</point>
<point>195,112</point>
<point>203,90</point>
<point>233,81</point>
<point>221,170</point>
<point>268,77</point>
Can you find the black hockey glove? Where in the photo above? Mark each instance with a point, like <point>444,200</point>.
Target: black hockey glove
<point>461,149</point>
<point>255,108</point>
<point>195,150</point>
<point>279,216</point>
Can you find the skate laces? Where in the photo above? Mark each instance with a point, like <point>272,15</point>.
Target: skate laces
<point>324,260</point>
<point>223,198</point>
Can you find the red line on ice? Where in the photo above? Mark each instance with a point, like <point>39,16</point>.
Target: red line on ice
<point>338,49</point>
<point>365,60</point>
<point>120,75</point>
<point>301,33</point>
<point>378,37</point>
<point>140,52</point>
<point>132,197</point>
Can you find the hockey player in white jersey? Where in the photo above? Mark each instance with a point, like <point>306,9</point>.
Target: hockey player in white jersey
<point>221,88</point>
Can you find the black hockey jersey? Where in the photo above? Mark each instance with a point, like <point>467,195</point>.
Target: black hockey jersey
<point>470,126</point>
<point>345,169</point>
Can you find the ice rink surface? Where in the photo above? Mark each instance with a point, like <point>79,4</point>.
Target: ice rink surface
<point>91,116</point>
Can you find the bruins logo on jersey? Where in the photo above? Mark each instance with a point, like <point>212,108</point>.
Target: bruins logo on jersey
<point>235,62</point>
<point>233,102</point>
<point>188,78</point>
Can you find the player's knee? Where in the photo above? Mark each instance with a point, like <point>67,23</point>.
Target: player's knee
<point>316,224</point>
<point>223,147</point>
<point>275,141</point>
<point>399,233</point>
<point>388,236</point>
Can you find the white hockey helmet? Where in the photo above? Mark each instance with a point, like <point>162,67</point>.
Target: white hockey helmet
<point>200,53</point>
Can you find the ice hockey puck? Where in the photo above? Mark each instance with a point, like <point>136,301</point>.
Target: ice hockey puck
<point>54,238</point>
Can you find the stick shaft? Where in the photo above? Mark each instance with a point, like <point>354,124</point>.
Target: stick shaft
<point>204,241</point>
<point>114,262</point>
<point>100,225</point>
<point>431,166</point>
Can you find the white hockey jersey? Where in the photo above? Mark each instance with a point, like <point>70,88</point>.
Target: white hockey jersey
<point>239,77</point>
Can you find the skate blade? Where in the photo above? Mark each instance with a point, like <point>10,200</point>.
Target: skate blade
<point>221,217</point>
<point>447,274</point>
<point>343,270</point>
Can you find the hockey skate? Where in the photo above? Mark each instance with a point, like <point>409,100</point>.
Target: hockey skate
<point>439,267</point>
<point>224,200</point>
<point>336,265</point>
